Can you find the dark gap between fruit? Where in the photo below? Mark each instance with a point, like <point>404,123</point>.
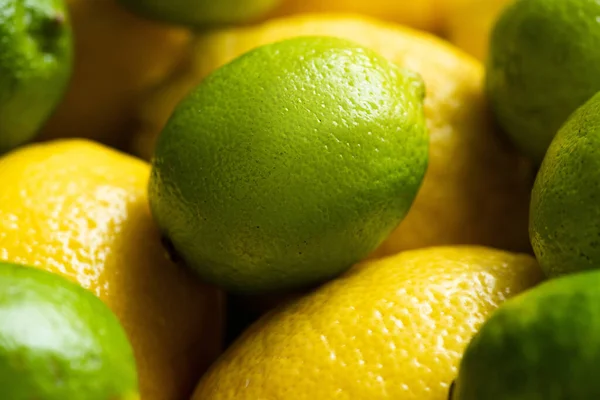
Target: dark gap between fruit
<point>451,389</point>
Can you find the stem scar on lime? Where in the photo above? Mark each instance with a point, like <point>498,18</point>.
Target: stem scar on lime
<point>59,18</point>
<point>52,25</point>
<point>171,253</point>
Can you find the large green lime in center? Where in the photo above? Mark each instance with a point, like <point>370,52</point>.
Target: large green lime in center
<point>291,163</point>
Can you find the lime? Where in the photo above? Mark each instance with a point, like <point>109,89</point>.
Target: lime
<point>35,65</point>
<point>476,190</point>
<point>542,344</point>
<point>58,341</point>
<point>289,164</point>
<point>543,64</point>
<point>564,215</point>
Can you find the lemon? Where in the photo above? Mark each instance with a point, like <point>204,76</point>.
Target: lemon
<point>469,23</point>
<point>393,328</point>
<point>80,210</point>
<point>117,57</point>
<point>289,164</point>
<point>476,189</point>
<point>422,14</point>
<point>543,64</point>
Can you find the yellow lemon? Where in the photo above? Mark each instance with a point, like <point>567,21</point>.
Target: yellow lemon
<point>476,190</point>
<point>393,328</point>
<point>422,14</point>
<point>117,57</point>
<point>469,23</point>
<point>80,210</point>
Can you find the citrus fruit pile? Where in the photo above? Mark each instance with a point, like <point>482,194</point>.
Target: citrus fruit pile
<point>294,200</point>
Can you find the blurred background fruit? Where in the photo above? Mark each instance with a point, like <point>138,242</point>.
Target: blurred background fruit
<point>476,190</point>
<point>421,14</point>
<point>201,13</point>
<point>468,24</point>
<point>36,56</point>
<point>80,210</point>
<point>117,57</point>
<point>387,329</point>
<point>543,65</point>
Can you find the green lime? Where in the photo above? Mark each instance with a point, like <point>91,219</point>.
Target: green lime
<point>543,64</point>
<point>543,344</point>
<point>35,65</point>
<point>201,13</point>
<point>289,164</point>
<point>564,214</point>
<point>59,341</point>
